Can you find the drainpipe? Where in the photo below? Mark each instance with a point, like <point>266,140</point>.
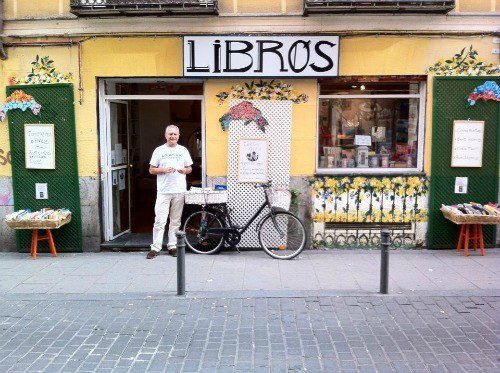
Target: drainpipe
<point>3,53</point>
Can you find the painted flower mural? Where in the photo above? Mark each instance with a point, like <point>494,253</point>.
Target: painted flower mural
<point>369,199</point>
<point>42,72</point>
<point>465,63</point>
<point>487,91</point>
<point>19,100</point>
<point>349,211</point>
<point>262,90</point>
<point>244,111</point>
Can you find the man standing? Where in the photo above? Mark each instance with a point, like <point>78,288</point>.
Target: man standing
<point>170,163</point>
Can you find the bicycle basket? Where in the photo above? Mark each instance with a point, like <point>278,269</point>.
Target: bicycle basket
<point>198,196</point>
<point>280,197</point>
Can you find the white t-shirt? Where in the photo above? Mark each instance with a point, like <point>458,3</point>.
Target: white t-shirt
<point>177,157</point>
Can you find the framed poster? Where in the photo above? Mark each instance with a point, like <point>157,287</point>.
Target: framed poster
<point>467,145</point>
<point>39,146</point>
<point>252,164</point>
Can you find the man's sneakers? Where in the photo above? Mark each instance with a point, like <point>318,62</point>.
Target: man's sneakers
<point>172,251</point>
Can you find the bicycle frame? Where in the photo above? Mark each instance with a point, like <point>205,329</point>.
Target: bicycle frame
<point>225,216</point>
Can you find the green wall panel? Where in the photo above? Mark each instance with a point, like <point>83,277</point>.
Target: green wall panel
<point>449,104</point>
<point>63,189</point>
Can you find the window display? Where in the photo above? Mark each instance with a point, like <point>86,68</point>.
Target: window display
<point>373,125</point>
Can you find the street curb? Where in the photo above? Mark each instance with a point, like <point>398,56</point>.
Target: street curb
<point>236,294</point>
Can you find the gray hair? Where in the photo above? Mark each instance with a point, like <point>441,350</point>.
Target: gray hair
<point>172,126</point>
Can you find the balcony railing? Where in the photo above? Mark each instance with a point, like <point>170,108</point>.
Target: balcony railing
<point>143,7</point>
<point>378,6</point>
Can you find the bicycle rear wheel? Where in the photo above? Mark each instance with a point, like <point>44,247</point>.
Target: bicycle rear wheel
<point>283,237</point>
<point>197,237</point>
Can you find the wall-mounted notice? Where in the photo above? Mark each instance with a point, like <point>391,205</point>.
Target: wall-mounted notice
<point>461,185</point>
<point>253,160</point>
<point>39,145</point>
<point>467,146</point>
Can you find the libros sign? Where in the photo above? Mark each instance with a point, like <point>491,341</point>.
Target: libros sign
<point>261,56</point>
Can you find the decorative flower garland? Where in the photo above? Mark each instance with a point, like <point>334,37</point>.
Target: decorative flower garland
<point>19,100</point>
<point>263,90</point>
<point>487,91</point>
<point>465,63</point>
<point>244,111</point>
<point>42,72</point>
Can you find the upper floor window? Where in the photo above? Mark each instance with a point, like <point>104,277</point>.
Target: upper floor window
<point>142,7</point>
<point>378,6</point>
<point>370,125</point>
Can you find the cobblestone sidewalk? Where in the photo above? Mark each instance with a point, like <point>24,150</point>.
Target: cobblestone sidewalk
<point>329,334</point>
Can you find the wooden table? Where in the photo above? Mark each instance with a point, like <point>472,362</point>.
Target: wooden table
<point>471,229</point>
<point>35,226</point>
<point>471,232</point>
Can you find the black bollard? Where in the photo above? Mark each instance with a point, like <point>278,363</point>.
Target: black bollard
<point>181,263</point>
<point>384,261</point>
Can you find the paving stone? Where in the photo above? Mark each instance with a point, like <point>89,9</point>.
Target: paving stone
<point>402,334</point>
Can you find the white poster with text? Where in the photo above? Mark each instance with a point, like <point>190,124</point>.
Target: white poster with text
<point>260,56</point>
<point>253,160</point>
<point>467,145</point>
<point>39,146</point>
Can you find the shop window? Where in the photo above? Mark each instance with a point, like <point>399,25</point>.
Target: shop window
<point>370,126</point>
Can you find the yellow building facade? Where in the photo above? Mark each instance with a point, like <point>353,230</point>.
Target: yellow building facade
<point>125,59</point>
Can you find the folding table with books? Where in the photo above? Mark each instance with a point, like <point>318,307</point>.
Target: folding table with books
<point>471,228</point>
<point>42,224</point>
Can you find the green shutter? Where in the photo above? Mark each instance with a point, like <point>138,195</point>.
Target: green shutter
<point>63,190</point>
<point>450,103</point>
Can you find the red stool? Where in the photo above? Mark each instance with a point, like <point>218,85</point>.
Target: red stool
<point>35,238</point>
<point>476,236</point>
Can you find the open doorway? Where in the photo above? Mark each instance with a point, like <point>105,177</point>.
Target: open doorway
<point>133,120</point>
<point>148,120</point>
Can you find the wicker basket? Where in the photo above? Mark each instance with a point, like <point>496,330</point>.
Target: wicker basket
<point>206,197</point>
<point>38,224</point>
<point>280,198</point>
<point>470,219</point>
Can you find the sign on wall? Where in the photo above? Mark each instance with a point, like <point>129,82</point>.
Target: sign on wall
<point>39,146</point>
<point>467,145</point>
<point>252,165</point>
<point>261,56</point>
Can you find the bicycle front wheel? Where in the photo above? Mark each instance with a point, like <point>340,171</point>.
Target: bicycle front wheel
<point>282,237</point>
<point>198,238</point>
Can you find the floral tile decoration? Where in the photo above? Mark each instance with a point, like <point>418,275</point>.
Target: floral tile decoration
<point>19,100</point>
<point>262,90</point>
<point>487,91</point>
<point>348,205</point>
<point>244,111</point>
<point>464,63</point>
<point>42,72</point>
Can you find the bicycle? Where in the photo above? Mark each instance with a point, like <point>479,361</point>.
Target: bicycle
<point>281,234</point>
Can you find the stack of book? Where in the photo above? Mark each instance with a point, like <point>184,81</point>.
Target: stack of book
<point>473,208</point>
<point>472,213</point>
<point>43,219</point>
<point>43,214</point>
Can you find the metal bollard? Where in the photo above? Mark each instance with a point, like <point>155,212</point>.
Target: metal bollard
<point>384,261</point>
<point>181,263</point>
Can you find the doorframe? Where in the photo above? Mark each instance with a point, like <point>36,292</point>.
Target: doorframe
<point>108,174</point>
<point>103,128</point>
